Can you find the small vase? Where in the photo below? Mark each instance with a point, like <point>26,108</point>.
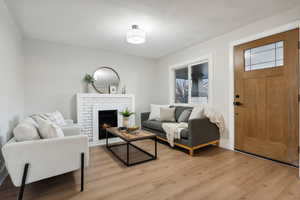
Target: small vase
<point>126,122</point>
<point>91,89</point>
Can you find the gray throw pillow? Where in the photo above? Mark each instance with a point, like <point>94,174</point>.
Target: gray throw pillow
<point>185,115</point>
<point>167,114</point>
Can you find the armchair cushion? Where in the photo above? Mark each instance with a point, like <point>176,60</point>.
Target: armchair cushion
<point>49,129</point>
<point>57,118</point>
<point>25,131</point>
<point>31,121</point>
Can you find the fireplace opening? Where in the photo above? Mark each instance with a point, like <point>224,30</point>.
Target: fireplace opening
<point>106,119</point>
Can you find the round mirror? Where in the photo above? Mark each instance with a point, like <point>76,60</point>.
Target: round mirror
<point>104,78</point>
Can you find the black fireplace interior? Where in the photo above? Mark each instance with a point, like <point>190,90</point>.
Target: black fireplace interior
<point>107,118</point>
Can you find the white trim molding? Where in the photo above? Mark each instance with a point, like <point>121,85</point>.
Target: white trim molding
<point>270,32</point>
<point>205,58</point>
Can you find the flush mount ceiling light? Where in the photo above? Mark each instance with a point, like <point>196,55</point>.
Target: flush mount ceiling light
<point>136,35</point>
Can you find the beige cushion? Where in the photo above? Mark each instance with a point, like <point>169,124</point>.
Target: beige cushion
<point>167,114</point>
<point>31,121</point>
<point>25,131</point>
<point>49,129</point>
<point>155,111</point>
<point>56,117</point>
<point>197,112</point>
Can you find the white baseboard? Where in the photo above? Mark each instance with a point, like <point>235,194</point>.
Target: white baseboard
<point>226,144</point>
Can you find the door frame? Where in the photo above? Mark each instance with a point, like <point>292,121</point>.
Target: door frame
<point>286,27</point>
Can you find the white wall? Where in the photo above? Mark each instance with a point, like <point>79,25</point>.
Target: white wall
<point>54,73</point>
<point>219,47</point>
<point>11,78</point>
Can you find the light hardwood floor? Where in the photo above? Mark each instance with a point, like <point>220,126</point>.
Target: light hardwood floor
<point>213,173</point>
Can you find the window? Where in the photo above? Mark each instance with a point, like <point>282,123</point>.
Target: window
<point>266,56</point>
<point>181,85</point>
<point>199,78</point>
<point>191,83</point>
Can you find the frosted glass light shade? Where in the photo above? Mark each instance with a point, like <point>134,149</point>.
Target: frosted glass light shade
<point>136,35</point>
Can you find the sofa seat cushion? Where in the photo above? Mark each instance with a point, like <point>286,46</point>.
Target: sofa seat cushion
<point>160,134</point>
<point>153,124</point>
<point>184,133</point>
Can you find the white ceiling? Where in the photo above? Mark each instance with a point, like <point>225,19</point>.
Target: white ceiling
<point>171,25</point>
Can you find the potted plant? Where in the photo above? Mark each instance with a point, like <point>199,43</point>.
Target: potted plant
<point>89,80</point>
<point>126,114</point>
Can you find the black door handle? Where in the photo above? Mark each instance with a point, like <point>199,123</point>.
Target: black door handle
<point>236,103</point>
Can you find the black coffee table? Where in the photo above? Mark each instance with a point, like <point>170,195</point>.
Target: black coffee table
<point>126,151</point>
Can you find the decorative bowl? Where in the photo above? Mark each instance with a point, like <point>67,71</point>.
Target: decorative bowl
<point>134,128</point>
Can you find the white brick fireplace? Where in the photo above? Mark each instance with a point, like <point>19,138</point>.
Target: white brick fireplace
<point>88,105</point>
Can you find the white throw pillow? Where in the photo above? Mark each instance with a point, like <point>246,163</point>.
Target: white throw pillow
<point>31,121</point>
<point>49,129</point>
<point>57,118</point>
<point>25,131</point>
<point>198,112</point>
<point>167,114</point>
<point>155,111</point>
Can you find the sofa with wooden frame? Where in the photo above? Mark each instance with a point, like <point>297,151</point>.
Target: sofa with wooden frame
<point>200,132</point>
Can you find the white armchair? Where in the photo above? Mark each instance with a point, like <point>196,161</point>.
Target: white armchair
<point>31,161</point>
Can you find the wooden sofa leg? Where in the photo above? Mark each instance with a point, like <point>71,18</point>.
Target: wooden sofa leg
<point>217,143</point>
<point>82,172</point>
<point>191,152</point>
<point>20,196</point>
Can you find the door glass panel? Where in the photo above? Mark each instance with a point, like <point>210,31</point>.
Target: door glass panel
<point>279,53</point>
<point>199,78</point>
<point>279,44</point>
<point>181,85</point>
<point>266,56</point>
<point>279,62</point>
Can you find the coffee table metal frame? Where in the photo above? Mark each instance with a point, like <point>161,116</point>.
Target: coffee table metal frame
<point>128,142</point>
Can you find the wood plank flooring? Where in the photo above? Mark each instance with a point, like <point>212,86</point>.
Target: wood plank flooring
<point>212,174</point>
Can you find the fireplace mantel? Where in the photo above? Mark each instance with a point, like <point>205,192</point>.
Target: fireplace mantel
<point>88,105</point>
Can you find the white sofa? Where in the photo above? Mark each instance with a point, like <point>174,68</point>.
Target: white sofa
<point>31,161</point>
